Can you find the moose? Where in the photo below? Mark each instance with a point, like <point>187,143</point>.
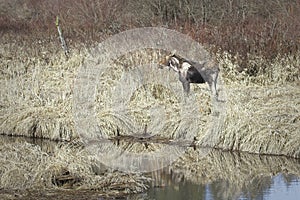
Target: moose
<point>193,72</point>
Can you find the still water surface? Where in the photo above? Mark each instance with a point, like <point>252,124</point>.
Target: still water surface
<point>229,175</point>
<point>279,187</point>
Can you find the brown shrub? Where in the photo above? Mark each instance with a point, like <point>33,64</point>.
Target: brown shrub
<point>243,29</point>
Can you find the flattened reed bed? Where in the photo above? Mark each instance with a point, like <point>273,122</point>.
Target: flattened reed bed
<point>26,166</point>
<point>262,112</point>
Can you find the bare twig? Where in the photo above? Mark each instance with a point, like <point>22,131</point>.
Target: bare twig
<point>62,40</point>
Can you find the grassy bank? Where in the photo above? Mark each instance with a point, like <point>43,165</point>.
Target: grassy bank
<point>262,111</point>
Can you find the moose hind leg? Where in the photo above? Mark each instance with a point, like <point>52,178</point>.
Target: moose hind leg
<point>186,87</point>
<point>212,82</point>
<point>215,80</point>
<point>185,84</point>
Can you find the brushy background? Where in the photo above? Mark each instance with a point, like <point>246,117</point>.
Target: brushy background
<point>256,44</point>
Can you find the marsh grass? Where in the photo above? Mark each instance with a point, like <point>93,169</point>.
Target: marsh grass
<point>262,110</point>
<point>263,120</point>
<point>281,70</point>
<point>36,93</point>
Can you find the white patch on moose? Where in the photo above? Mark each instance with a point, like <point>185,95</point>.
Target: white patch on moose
<point>184,68</point>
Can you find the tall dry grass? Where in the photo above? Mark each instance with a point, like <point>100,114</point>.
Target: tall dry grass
<point>36,90</point>
<point>262,111</point>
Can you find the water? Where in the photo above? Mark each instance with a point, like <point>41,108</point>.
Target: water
<point>225,175</point>
<point>218,175</point>
<point>282,188</point>
<point>279,189</point>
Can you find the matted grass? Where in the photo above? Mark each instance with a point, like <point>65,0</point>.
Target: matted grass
<point>30,171</point>
<point>263,111</point>
<point>67,166</point>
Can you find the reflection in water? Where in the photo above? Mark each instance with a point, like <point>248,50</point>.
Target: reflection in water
<point>225,175</point>
<point>283,187</point>
<point>270,188</point>
<point>217,175</point>
<point>47,146</point>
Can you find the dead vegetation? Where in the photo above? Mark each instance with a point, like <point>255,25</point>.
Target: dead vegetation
<point>36,94</point>
<point>67,166</point>
<point>262,120</point>
<point>29,171</point>
<point>262,112</point>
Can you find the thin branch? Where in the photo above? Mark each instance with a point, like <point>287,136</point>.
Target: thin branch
<point>62,40</point>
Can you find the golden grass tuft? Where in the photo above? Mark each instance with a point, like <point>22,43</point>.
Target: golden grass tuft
<point>36,95</point>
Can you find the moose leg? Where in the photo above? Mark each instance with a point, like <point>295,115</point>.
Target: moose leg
<point>212,82</point>
<point>185,84</point>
